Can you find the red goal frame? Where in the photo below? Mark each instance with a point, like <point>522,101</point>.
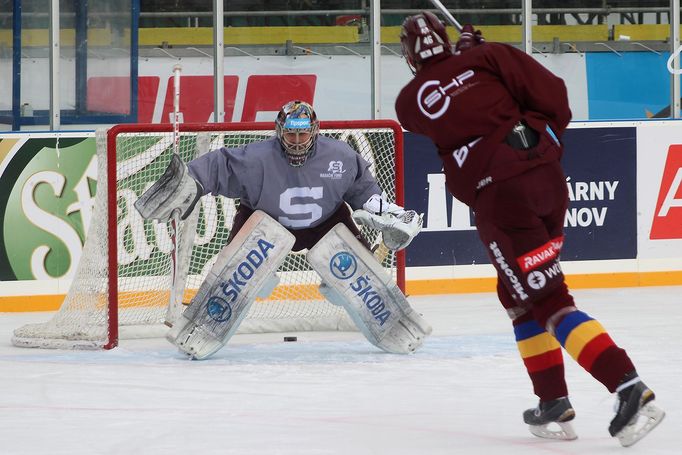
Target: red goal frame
<point>113,132</point>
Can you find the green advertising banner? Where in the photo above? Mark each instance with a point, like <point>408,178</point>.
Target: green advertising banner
<point>47,191</point>
<point>48,186</point>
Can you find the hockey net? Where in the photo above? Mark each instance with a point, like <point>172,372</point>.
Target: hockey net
<point>125,279</point>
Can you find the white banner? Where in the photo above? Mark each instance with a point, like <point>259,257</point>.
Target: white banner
<point>342,88</point>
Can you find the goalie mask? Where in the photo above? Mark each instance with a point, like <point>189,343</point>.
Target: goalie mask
<point>297,129</point>
<point>422,37</point>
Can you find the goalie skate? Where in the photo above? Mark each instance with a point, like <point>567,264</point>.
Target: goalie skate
<point>242,270</point>
<point>355,280</point>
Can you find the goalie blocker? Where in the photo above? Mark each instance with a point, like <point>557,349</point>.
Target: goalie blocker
<point>241,272</point>
<point>353,279</point>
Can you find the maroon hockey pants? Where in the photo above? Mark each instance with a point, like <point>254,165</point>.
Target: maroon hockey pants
<point>520,221</point>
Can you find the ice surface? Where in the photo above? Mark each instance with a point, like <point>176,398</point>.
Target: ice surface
<point>334,393</point>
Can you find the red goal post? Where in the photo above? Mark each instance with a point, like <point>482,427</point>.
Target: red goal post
<point>102,306</point>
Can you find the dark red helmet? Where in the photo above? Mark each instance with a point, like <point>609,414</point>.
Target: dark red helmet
<point>423,36</point>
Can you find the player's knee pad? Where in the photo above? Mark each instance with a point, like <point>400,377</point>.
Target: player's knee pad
<point>554,320</point>
<point>549,309</point>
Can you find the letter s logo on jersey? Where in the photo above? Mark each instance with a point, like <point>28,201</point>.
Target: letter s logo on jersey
<point>667,222</point>
<point>433,99</point>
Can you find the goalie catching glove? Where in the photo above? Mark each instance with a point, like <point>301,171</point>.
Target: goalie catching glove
<point>397,225</point>
<point>175,190</point>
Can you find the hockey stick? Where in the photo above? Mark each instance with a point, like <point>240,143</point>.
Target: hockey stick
<point>177,288</point>
<point>447,15</point>
<point>380,250</point>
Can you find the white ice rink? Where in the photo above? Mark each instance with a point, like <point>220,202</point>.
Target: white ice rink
<point>334,393</point>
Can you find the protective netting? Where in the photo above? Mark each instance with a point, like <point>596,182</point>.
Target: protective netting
<point>145,249</point>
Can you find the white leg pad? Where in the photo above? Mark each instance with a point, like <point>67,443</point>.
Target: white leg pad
<point>354,279</point>
<point>269,285</point>
<point>243,268</point>
<point>331,295</point>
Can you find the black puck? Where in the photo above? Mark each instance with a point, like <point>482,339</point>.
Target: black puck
<point>290,339</point>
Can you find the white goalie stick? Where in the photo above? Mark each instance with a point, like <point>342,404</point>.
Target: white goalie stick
<point>379,249</point>
<point>177,286</point>
<point>447,14</point>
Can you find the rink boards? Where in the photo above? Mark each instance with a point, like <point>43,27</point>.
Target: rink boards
<point>623,227</point>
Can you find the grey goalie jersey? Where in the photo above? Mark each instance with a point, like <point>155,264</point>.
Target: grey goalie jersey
<point>298,197</point>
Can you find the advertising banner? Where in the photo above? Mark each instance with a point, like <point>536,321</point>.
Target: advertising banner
<point>255,88</point>
<point>47,189</point>
<point>660,190</point>
<point>601,223</point>
<point>625,213</point>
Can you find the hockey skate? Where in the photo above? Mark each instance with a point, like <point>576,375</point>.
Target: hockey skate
<point>557,411</point>
<point>636,415</point>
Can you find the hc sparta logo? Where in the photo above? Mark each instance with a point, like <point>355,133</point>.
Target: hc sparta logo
<point>343,265</point>
<point>336,167</point>
<point>335,170</point>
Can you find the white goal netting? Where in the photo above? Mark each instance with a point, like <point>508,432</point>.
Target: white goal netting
<point>124,282</point>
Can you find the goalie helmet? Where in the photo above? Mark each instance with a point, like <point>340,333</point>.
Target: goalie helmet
<point>422,37</point>
<point>297,129</point>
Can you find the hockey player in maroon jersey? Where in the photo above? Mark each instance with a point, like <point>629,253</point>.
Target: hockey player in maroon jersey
<point>497,117</point>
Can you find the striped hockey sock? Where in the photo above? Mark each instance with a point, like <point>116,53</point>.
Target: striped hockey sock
<point>586,340</point>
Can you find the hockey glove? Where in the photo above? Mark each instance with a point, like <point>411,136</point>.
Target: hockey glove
<point>397,225</point>
<point>175,190</point>
<point>468,38</point>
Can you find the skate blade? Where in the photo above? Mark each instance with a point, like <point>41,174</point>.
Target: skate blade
<point>564,433</point>
<point>641,424</point>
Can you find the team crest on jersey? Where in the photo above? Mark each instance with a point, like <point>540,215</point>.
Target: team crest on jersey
<point>434,97</point>
<point>334,171</point>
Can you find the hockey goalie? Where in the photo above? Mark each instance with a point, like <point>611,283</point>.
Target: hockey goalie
<point>295,190</point>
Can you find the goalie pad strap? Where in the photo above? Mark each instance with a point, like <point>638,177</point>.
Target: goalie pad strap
<point>369,295</point>
<point>241,270</point>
